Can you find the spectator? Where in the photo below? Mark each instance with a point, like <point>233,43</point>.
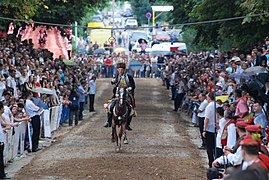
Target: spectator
<point>11,83</point>
<point>209,128</point>
<point>33,112</point>
<point>74,105</point>
<point>82,96</point>
<point>92,91</point>
<point>3,128</point>
<point>241,107</point>
<point>201,116</point>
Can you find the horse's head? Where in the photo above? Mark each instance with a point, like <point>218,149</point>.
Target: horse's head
<point>121,95</point>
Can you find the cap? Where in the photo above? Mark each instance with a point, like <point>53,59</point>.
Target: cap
<point>249,141</point>
<point>219,84</point>
<point>235,59</point>
<point>253,128</point>
<point>121,65</point>
<point>241,124</point>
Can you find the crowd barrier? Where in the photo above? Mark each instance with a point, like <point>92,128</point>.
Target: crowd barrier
<point>16,136</point>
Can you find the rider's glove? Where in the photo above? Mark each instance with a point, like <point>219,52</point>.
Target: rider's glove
<point>129,89</point>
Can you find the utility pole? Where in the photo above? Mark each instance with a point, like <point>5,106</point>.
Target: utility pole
<point>113,22</point>
<point>76,34</point>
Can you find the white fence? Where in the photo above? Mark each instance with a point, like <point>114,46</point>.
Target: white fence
<point>15,137</point>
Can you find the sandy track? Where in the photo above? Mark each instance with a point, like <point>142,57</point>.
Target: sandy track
<point>159,145</point>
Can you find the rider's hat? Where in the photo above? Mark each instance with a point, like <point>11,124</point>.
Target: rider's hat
<point>121,65</point>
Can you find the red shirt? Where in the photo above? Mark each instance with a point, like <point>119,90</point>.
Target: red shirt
<point>108,62</point>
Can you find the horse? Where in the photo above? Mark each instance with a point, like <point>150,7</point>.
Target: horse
<point>119,118</point>
<point>42,38</point>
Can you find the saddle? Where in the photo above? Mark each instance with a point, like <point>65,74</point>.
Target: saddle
<point>110,104</point>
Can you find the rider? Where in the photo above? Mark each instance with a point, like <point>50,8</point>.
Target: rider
<point>124,80</point>
<point>42,36</point>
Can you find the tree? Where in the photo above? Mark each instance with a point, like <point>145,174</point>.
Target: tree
<point>241,33</point>
<point>20,9</point>
<point>66,11</point>
<point>52,11</point>
<point>140,8</point>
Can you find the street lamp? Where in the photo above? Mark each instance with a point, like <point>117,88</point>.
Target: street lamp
<point>160,9</point>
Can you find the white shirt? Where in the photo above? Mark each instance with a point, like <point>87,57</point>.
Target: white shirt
<point>2,134</point>
<point>234,159</point>
<point>210,114</point>
<point>31,108</point>
<point>2,88</point>
<point>180,87</point>
<point>222,123</point>
<point>23,79</point>
<point>92,87</point>
<point>7,113</point>
<point>231,139</point>
<point>12,83</point>
<point>202,108</point>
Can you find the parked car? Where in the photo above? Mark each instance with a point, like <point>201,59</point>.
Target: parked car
<point>97,18</point>
<point>127,13</point>
<point>117,18</point>
<point>136,35</point>
<point>131,23</point>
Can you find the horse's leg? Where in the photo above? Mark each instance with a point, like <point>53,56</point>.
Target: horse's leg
<point>115,135</point>
<point>113,139</point>
<point>125,140</point>
<point>120,134</point>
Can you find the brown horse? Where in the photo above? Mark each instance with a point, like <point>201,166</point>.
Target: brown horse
<point>120,115</point>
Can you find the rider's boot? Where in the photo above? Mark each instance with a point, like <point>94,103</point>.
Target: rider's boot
<point>128,123</point>
<point>109,120</point>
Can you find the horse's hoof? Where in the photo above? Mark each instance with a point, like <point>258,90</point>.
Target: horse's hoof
<point>113,140</point>
<point>117,149</point>
<point>125,142</point>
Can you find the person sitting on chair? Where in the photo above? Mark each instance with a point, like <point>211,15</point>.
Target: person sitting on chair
<point>122,80</point>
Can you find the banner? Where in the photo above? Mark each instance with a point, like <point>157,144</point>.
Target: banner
<point>15,141</point>
<point>16,136</point>
<point>52,118</point>
<point>47,129</point>
<point>22,130</point>
<point>30,132</point>
<point>56,118</point>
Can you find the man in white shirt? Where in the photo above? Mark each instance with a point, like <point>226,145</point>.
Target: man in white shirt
<point>92,92</point>
<point>33,112</point>
<point>2,141</point>
<point>209,128</point>
<point>11,83</point>
<point>201,116</point>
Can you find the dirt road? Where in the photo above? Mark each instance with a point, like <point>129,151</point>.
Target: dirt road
<point>159,145</point>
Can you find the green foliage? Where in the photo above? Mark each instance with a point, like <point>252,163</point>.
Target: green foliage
<point>242,33</point>
<point>140,8</point>
<point>52,11</point>
<point>19,9</point>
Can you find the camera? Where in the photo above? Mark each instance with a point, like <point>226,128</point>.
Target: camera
<point>214,173</point>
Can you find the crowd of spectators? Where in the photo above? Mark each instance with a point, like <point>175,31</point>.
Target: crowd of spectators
<point>227,102</point>
<point>24,70</point>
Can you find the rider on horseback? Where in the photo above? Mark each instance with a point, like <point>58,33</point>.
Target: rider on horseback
<point>122,80</point>
<point>42,36</point>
